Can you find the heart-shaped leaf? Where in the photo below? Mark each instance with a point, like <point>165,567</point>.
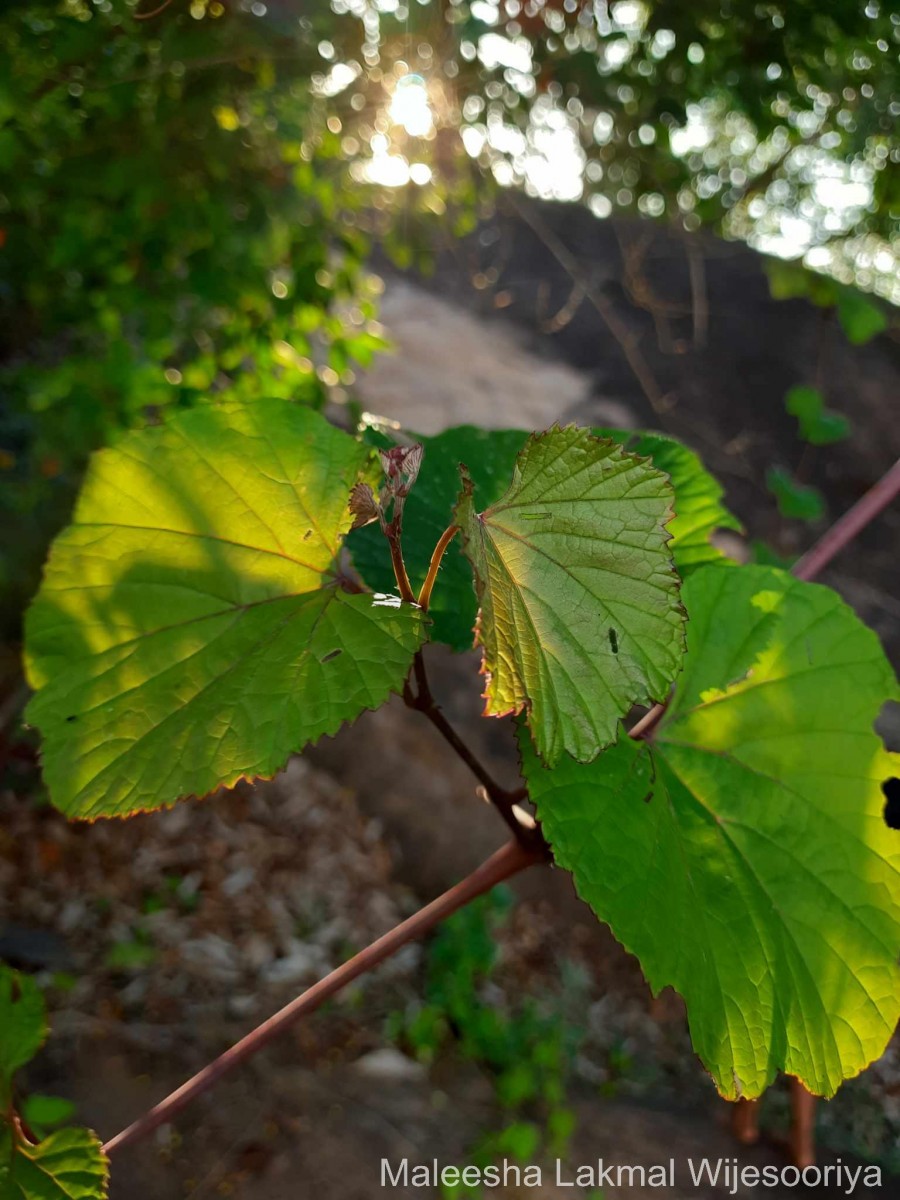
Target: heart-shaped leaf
<point>579,612</point>
<point>194,627</point>
<point>743,855</point>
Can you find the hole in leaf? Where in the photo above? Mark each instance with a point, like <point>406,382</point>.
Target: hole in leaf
<point>330,655</point>
<point>891,789</point>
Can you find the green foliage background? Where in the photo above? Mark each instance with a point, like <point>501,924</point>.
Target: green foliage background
<point>186,202</point>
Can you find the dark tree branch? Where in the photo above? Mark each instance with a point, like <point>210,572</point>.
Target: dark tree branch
<point>505,801</point>
<point>628,341</point>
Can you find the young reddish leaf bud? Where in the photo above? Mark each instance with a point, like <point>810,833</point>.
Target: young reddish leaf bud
<point>401,466</point>
<point>363,505</point>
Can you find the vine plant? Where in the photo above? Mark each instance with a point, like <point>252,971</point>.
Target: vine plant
<point>213,609</point>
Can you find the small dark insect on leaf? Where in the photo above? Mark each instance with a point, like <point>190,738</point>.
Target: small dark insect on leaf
<point>891,789</point>
<point>614,641</point>
<point>330,655</point>
<point>73,718</point>
<point>648,797</point>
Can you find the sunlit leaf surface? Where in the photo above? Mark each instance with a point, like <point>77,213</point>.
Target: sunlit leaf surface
<point>192,628</point>
<point>743,855</point>
<point>699,510</point>
<point>579,612</point>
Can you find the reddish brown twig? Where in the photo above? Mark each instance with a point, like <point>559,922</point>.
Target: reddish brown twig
<point>648,722</point>
<point>845,529</point>
<point>505,863</point>
<point>428,586</point>
<point>403,584</point>
<point>505,801</point>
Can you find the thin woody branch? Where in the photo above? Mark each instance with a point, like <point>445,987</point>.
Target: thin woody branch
<point>504,800</point>
<point>845,529</point>
<point>506,862</point>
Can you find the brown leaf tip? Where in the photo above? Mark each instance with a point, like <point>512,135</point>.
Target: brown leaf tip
<point>363,505</point>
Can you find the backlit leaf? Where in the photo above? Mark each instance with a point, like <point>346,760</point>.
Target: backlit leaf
<point>819,425</point>
<point>743,855</point>
<point>860,316</point>
<point>699,510</point>
<point>795,500</point>
<point>194,627</point>
<point>579,612</point>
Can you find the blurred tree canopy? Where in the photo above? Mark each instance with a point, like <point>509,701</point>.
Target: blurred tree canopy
<point>187,196</point>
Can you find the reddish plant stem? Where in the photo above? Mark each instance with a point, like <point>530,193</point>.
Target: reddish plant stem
<point>503,800</point>
<point>148,16</point>
<point>648,722</point>
<point>403,584</point>
<point>506,862</point>
<point>427,587</point>
<point>845,529</point>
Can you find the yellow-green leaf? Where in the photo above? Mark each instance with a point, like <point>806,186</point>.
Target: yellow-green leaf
<point>194,626</point>
<point>579,612</point>
<point>68,1165</point>
<point>743,854</point>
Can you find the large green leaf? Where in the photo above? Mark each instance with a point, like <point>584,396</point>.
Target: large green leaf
<point>742,855</point>
<point>194,626</point>
<point>490,456</point>
<point>23,1025</point>
<point>68,1165</point>
<point>699,510</point>
<point>579,613</point>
